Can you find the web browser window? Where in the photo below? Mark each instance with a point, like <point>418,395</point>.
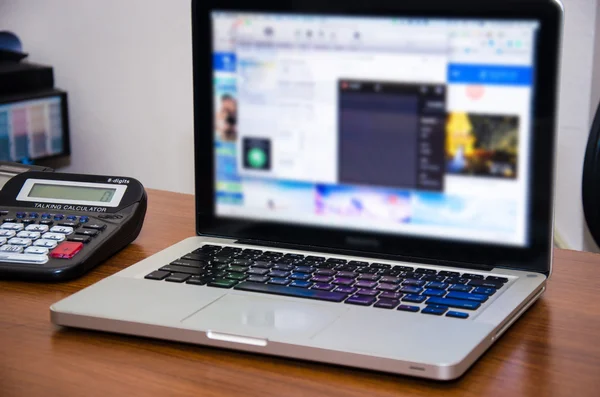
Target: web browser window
<point>396,125</point>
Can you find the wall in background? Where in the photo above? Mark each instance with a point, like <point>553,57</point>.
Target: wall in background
<point>127,67</point>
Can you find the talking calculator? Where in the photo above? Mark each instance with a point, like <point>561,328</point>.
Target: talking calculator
<point>57,226</point>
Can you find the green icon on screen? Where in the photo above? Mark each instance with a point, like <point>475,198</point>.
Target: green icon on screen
<point>257,158</point>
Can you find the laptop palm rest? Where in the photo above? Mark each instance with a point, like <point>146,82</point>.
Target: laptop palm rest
<point>269,317</point>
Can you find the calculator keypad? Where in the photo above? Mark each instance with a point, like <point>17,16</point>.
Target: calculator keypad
<point>33,238</point>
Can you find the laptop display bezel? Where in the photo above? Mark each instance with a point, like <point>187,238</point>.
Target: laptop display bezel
<point>536,256</point>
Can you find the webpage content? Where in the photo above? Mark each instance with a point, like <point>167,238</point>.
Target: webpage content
<point>413,127</point>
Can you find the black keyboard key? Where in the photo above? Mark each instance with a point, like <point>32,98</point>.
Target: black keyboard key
<point>263,264</point>
<point>460,288</point>
<point>325,265</point>
<point>223,283</point>
<point>80,239</point>
<point>486,284</point>
<point>88,232</point>
<point>285,261</point>
<point>237,269</point>
<point>323,287</point>
<point>436,311</point>
<point>74,225</point>
<point>382,266</point>
<point>390,273</point>
<point>209,248</point>
<point>457,280</point>
<point>387,303</point>
<point>242,262</point>
<point>407,308</point>
<point>368,277</point>
<point>367,292</point>
<point>361,300</point>
<point>404,268</point>
<point>457,315</point>
<point>346,290</point>
<point>456,303</point>
<point>274,253</point>
<point>409,275</point>
<point>177,277</point>
<point>366,284</point>
<point>279,274</point>
<point>301,284</point>
<point>425,271</point>
<point>42,222</point>
<point>473,276</point>
<point>304,269</point>
<point>390,280</point>
<point>346,268</point>
<point>183,262</point>
<point>279,281</point>
<point>325,272</point>
<point>253,253</point>
<point>95,226</point>
<point>447,273</point>
<point>157,275</point>
<point>215,268</point>
<point>294,256</point>
<point>196,280</point>
<point>257,271</point>
<point>337,261</point>
<point>300,276</point>
<point>258,279</point>
<point>315,258</point>
<point>236,276</point>
<point>434,292</point>
<point>468,297</point>
<point>358,264</point>
<point>502,280</point>
<point>414,298</point>
<point>390,295</point>
<point>221,260</point>
<point>287,268</point>
<point>196,271</point>
<point>329,296</point>
<point>233,250</point>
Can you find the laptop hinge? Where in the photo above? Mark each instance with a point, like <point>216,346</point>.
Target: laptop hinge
<point>375,255</point>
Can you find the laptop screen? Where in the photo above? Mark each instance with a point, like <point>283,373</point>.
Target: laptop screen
<point>404,126</point>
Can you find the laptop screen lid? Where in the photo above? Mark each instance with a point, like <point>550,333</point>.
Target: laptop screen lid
<point>386,129</point>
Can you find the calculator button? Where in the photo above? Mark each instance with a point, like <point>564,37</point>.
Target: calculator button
<point>71,218</point>
<point>24,242</point>
<point>9,220</point>
<point>27,221</point>
<point>95,226</point>
<point>54,236</point>
<point>62,229</point>
<point>66,250</point>
<point>80,239</point>
<point>2,240</point>
<point>46,222</point>
<point>69,224</point>
<point>88,232</point>
<point>30,235</point>
<point>11,248</point>
<point>36,250</point>
<point>59,217</point>
<point>33,215</point>
<point>12,226</point>
<point>2,213</point>
<point>21,215</point>
<point>46,216</point>
<point>84,219</point>
<point>37,228</point>
<point>23,258</point>
<point>7,233</point>
<point>45,243</point>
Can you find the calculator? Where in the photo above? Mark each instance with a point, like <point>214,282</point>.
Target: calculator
<point>57,226</point>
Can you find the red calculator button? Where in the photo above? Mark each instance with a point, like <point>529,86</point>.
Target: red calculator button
<point>66,250</point>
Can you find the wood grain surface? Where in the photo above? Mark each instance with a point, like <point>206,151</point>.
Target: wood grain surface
<point>554,350</point>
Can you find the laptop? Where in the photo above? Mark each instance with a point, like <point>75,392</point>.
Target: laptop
<point>374,184</point>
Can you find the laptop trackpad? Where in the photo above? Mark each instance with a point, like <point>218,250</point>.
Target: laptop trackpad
<point>264,317</point>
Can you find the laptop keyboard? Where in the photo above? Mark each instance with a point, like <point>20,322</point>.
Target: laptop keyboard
<point>384,286</point>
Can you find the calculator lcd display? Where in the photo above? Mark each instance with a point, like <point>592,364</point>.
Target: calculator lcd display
<point>79,193</point>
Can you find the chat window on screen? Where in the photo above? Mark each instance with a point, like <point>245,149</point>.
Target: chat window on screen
<point>392,134</point>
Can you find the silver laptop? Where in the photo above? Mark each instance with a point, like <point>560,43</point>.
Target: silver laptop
<point>373,185</point>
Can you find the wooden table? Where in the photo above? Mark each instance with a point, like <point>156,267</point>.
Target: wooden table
<point>554,350</point>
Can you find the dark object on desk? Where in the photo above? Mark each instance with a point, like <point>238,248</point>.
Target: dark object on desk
<point>11,48</point>
<point>22,77</point>
<point>56,226</point>
<point>590,185</point>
